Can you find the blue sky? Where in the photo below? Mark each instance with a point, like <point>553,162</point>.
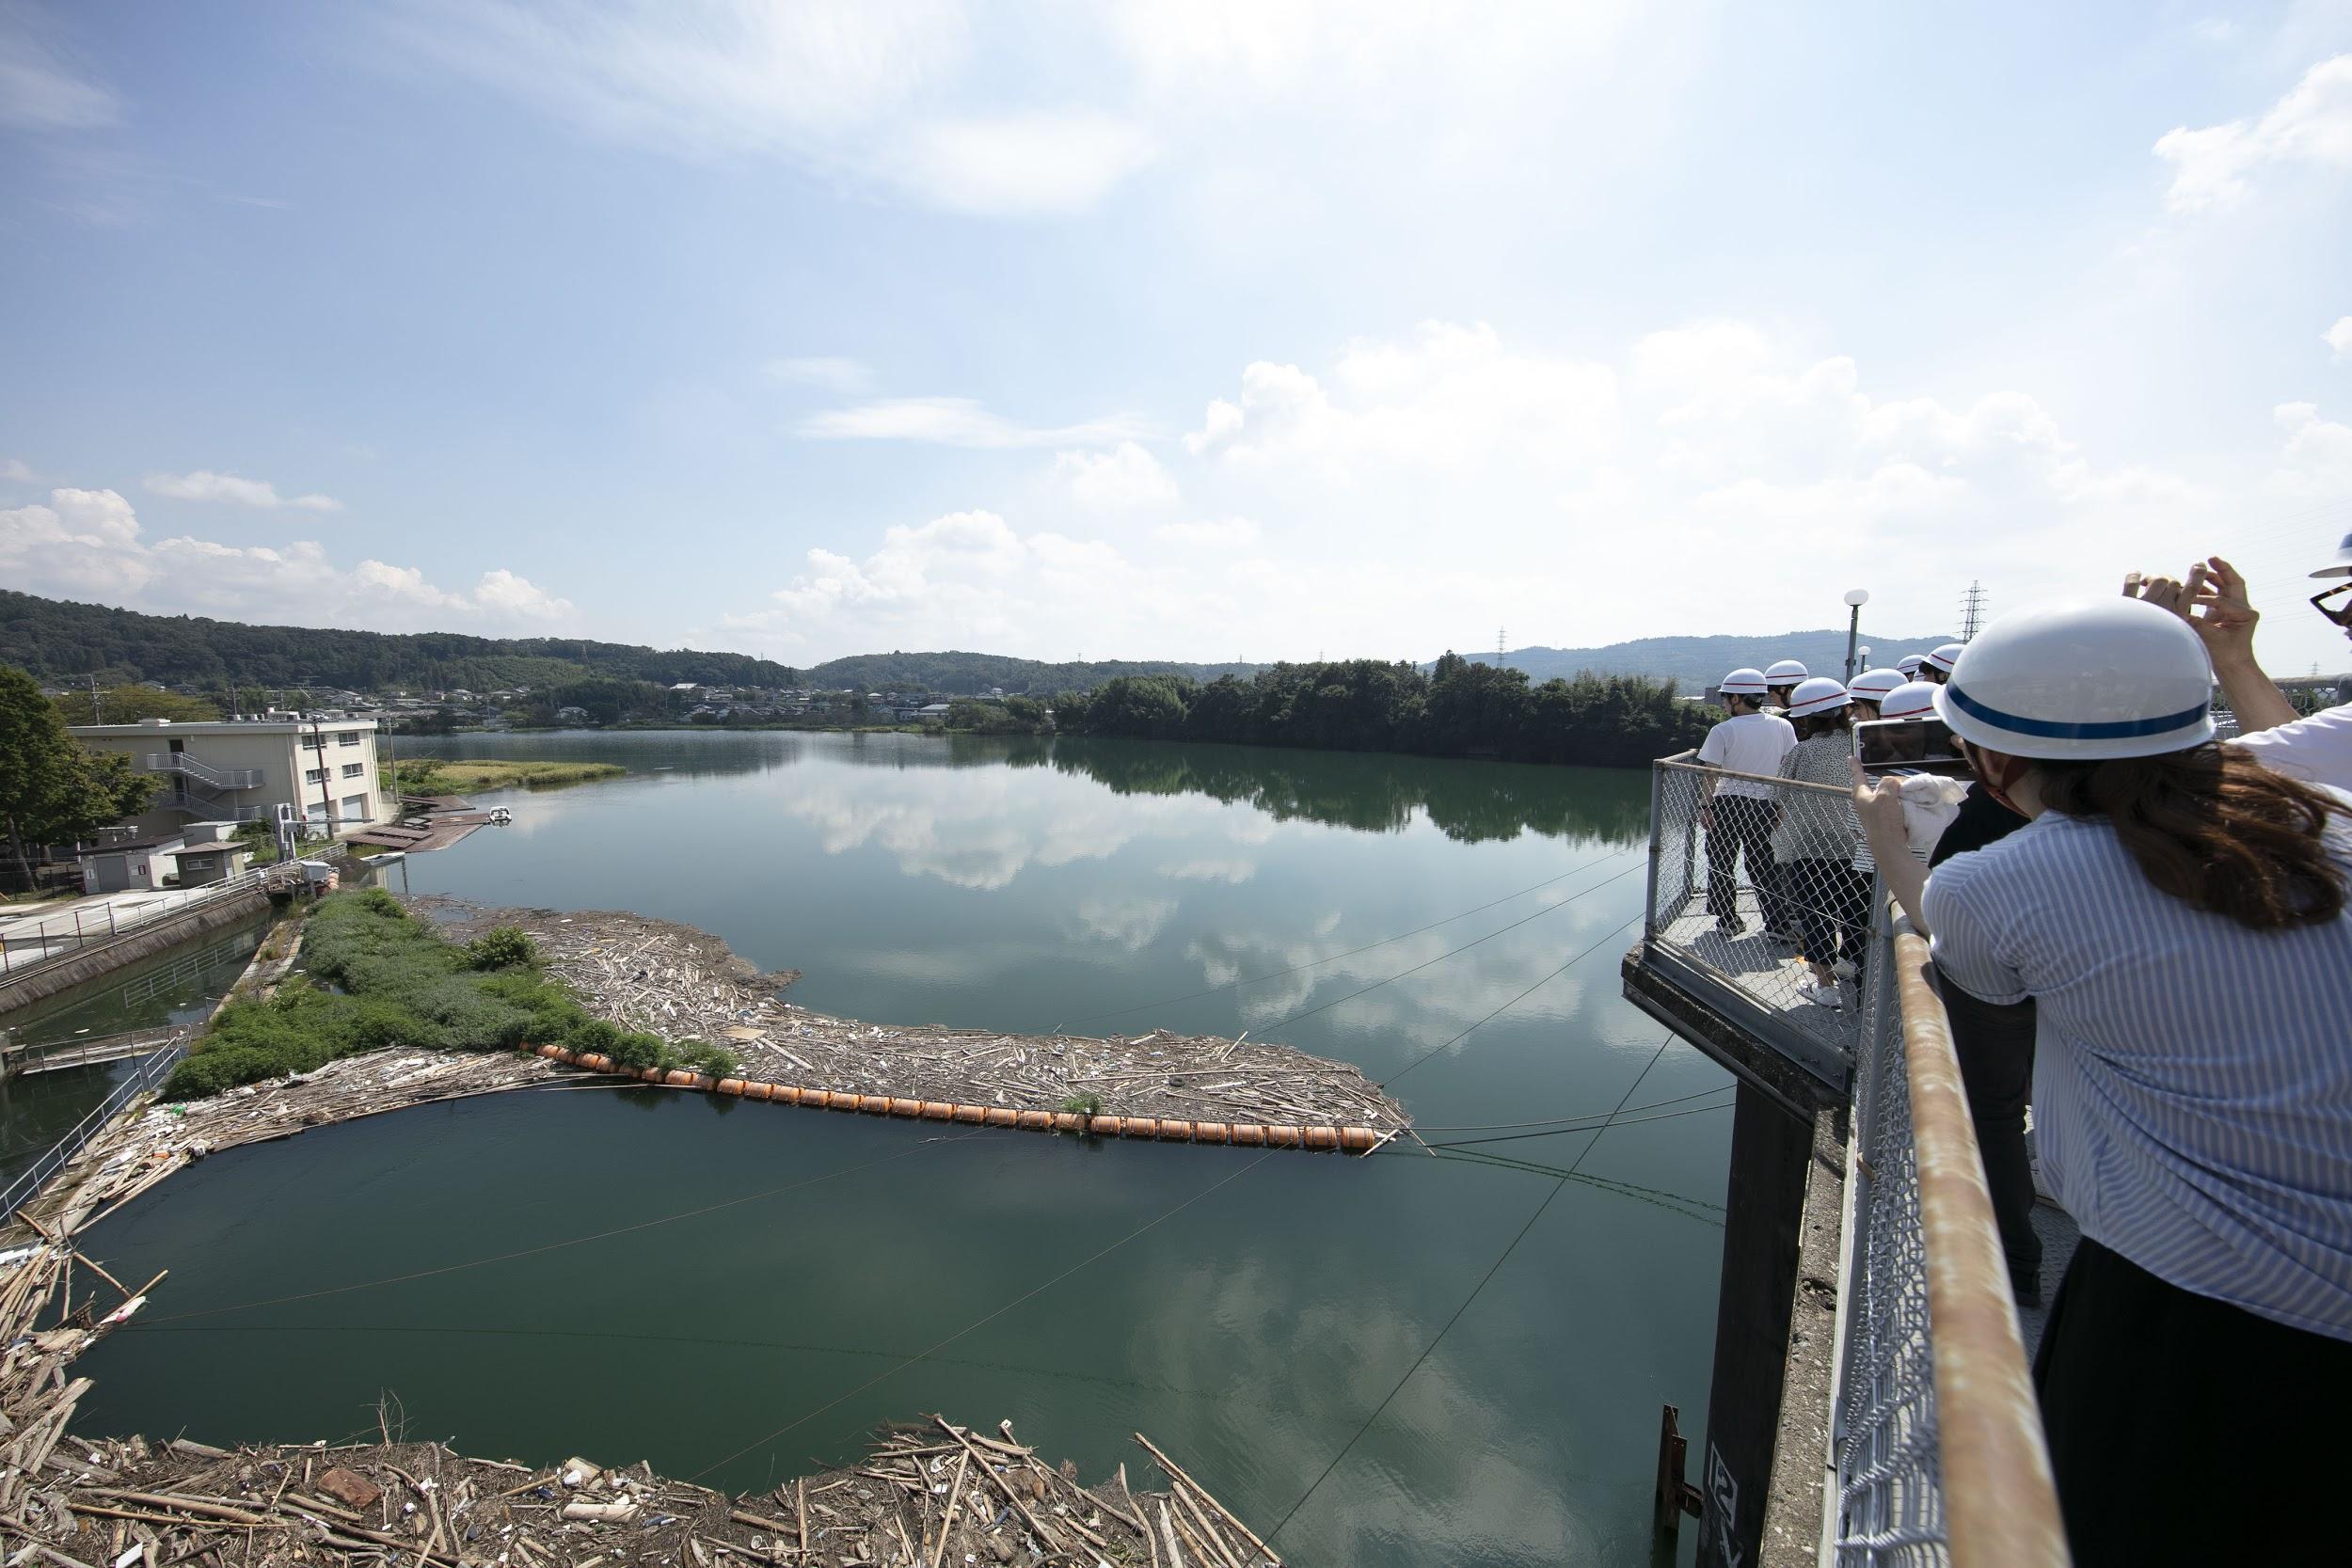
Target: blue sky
<point>1169,328</point>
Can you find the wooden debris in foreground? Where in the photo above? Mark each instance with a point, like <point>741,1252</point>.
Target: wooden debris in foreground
<point>686,985</point>
<point>925,1496</point>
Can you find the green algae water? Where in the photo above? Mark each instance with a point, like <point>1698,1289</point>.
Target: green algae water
<point>738,1292</point>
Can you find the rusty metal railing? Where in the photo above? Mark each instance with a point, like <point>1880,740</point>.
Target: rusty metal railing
<point>1938,1448</point>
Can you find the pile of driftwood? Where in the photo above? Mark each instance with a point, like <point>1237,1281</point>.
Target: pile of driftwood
<point>923,1497</point>
<point>686,985</point>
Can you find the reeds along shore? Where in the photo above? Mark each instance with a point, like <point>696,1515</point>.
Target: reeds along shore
<point>923,1497</point>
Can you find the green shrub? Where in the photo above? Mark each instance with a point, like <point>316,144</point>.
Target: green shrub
<point>1084,1104</point>
<point>382,980</point>
<point>715,1060</point>
<point>502,947</point>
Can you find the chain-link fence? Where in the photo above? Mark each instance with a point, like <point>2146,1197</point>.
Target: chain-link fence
<point>1890,1490</point>
<point>1764,885</point>
<point>1763,900</point>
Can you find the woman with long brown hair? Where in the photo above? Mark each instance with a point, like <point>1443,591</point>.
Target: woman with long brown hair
<point>2180,916</point>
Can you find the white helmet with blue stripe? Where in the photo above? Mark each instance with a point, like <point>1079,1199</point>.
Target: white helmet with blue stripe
<point>2082,680</point>
<point>2341,565</point>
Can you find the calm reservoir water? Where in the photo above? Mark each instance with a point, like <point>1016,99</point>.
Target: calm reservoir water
<point>736,1290</point>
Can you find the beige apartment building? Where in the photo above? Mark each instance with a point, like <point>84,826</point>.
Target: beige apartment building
<point>240,770</point>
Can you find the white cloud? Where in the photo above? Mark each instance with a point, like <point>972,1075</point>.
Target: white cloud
<point>206,485</point>
<point>41,89</point>
<point>89,543</point>
<point>15,470</point>
<point>2317,460</point>
<point>833,373</point>
<point>1219,533</point>
<point>2312,124</point>
<point>1448,398</point>
<point>1125,479</point>
<point>957,422</point>
<point>1021,165</point>
<point>2338,337</point>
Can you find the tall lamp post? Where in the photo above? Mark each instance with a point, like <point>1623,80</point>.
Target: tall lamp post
<point>1856,599</point>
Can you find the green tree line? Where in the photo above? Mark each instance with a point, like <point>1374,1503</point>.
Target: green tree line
<point>59,641</point>
<point>1457,709</point>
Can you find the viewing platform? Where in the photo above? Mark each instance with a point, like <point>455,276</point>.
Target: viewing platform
<point>1870,1401</point>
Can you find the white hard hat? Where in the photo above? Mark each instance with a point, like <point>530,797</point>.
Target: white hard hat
<point>1819,694</point>
<point>1787,673</point>
<point>2083,678</point>
<point>1743,682</point>
<point>1910,700</point>
<point>1872,686</point>
<point>1946,657</point>
<point>1909,664</point>
<point>2341,565</point>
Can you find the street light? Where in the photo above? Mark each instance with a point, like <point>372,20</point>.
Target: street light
<point>1856,599</point>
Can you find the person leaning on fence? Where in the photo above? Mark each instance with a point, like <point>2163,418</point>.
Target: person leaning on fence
<point>2179,913</point>
<point>1738,813</point>
<point>2212,597</point>
<point>1814,841</point>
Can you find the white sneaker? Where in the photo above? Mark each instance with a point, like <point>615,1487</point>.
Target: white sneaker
<point>1821,995</point>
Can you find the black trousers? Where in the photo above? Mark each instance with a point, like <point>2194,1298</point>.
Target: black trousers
<point>2184,1430</point>
<point>1743,824</point>
<point>1829,900</point>
<point>1994,1045</point>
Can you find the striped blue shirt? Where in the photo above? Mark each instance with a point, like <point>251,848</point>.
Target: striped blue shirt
<point>2193,1078</point>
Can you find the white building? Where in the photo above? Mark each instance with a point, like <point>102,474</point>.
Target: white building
<point>240,770</point>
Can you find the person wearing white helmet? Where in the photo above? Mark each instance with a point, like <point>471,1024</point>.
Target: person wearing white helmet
<point>1937,666</point>
<point>1737,813</point>
<point>1783,679</point>
<point>2212,597</point>
<point>1814,841</point>
<point>2182,917</point>
<point>1868,690</point>
<point>1909,664</point>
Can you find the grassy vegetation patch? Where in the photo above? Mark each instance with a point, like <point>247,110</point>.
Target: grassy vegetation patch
<point>443,776</point>
<point>379,978</point>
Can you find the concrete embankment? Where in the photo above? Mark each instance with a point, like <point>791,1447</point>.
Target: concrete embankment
<point>91,960</point>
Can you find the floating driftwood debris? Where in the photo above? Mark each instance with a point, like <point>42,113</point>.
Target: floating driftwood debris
<point>923,1495</point>
<point>686,985</point>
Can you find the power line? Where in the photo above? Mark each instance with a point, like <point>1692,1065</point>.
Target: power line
<point>978,1323</point>
<point>1604,1124</point>
<point>1557,1187</point>
<point>1334,957</point>
<point>1310,1012</point>
<point>1505,1007</point>
<point>1571,1123</point>
<point>571,1242</point>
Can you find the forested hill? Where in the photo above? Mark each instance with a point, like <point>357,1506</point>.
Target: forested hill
<point>59,641</point>
<point>962,675</point>
<point>1699,662</point>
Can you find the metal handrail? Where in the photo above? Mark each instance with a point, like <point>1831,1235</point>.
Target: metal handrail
<point>218,778</point>
<point>71,938</point>
<point>146,1075</point>
<point>2000,1503</point>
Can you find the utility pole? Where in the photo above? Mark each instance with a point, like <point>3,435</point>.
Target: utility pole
<point>1971,611</point>
<point>96,716</point>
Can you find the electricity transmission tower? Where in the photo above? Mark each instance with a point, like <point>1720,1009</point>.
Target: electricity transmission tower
<point>1971,611</point>
<point>1497,647</point>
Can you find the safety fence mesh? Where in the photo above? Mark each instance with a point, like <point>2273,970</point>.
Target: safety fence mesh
<point>1766,884</point>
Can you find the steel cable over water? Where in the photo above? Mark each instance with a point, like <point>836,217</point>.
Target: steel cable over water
<point>1557,1187</point>
<point>981,1322</point>
<point>571,1242</point>
<point>1370,947</point>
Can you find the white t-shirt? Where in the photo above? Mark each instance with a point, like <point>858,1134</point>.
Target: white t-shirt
<point>2317,750</point>
<point>1748,744</point>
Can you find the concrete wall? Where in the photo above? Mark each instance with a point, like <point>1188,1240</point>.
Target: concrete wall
<point>96,959</point>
